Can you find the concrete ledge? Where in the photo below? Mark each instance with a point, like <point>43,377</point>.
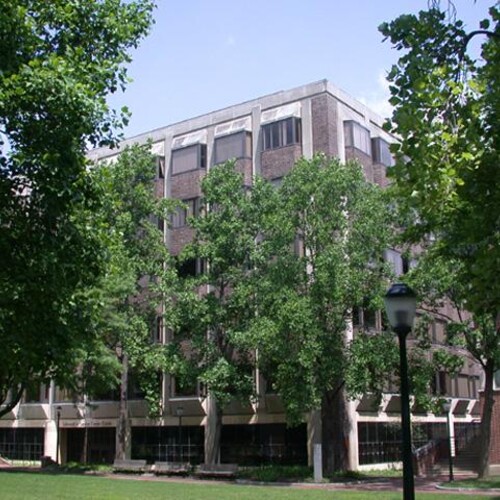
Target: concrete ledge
<point>136,466</point>
<point>217,470</point>
<point>171,468</point>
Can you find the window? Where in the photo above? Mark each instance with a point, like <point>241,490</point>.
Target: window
<point>438,384</point>
<point>236,146</point>
<point>190,267</point>
<point>189,158</point>
<point>395,261</point>
<point>496,380</point>
<point>160,167</point>
<point>357,136</point>
<point>281,133</point>
<point>159,222</point>
<point>366,317</point>
<point>191,208</point>
<point>183,387</point>
<point>157,333</point>
<point>32,393</point>
<point>381,152</point>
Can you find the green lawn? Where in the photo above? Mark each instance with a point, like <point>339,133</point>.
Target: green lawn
<point>491,482</point>
<point>27,486</point>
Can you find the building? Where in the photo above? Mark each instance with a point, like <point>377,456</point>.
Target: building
<point>266,136</point>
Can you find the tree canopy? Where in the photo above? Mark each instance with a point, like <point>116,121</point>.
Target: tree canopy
<point>214,306</point>
<point>58,63</point>
<point>327,238</point>
<point>446,178</point>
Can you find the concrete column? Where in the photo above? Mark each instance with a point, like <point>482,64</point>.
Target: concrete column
<point>313,434</point>
<point>307,135</point>
<point>353,436</point>
<point>352,414</point>
<point>210,148</point>
<point>256,149</point>
<point>50,439</point>
<point>314,452</point>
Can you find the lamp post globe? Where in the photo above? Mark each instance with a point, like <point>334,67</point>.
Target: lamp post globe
<point>400,305</point>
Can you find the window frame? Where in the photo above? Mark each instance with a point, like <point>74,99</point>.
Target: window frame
<point>381,148</point>
<point>281,133</point>
<point>180,217</point>
<point>246,146</point>
<point>201,158</point>
<point>350,126</point>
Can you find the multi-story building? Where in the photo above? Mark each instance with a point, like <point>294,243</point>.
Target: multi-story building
<point>266,136</point>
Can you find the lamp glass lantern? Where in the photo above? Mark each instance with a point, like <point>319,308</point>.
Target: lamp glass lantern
<point>400,306</point>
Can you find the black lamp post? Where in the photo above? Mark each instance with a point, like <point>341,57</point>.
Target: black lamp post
<point>180,411</point>
<point>447,409</point>
<point>400,306</point>
<point>58,420</point>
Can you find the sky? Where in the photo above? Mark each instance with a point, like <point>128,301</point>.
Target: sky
<point>206,55</point>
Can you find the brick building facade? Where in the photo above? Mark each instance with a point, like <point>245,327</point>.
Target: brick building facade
<point>266,136</point>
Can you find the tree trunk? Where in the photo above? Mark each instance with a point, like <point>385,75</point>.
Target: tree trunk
<point>335,431</point>
<point>85,443</point>
<point>213,430</point>
<point>485,433</point>
<point>11,402</point>
<point>123,425</point>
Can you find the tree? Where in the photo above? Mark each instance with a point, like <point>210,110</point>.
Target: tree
<point>58,63</point>
<point>327,239</point>
<point>214,308</point>
<point>130,291</point>
<point>446,178</point>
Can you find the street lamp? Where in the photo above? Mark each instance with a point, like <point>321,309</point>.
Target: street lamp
<point>400,306</point>
<point>180,411</point>
<point>447,409</point>
<point>59,408</point>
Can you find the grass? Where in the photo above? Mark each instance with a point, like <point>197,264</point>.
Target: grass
<point>480,484</point>
<point>277,473</point>
<point>298,473</point>
<point>36,485</point>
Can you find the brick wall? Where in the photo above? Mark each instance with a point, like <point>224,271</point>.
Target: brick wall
<point>363,158</point>
<point>186,185</point>
<point>277,162</point>
<point>324,124</point>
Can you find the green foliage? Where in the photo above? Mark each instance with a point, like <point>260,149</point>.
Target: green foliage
<point>131,288</point>
<point>446,178</point>
<point>59,61</point>
<point>277,473</point>
<point>373,361</point>
<point>340,225</point>
<point>214,309</point>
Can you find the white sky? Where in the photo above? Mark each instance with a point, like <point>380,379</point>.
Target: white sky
<point>205,55</point>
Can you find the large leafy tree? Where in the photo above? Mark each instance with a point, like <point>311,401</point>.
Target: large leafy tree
<point>327,239</point>
<point>446,112</point>
<point>59,61</point>
<point>214,309</point>
<point>127,299</point>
